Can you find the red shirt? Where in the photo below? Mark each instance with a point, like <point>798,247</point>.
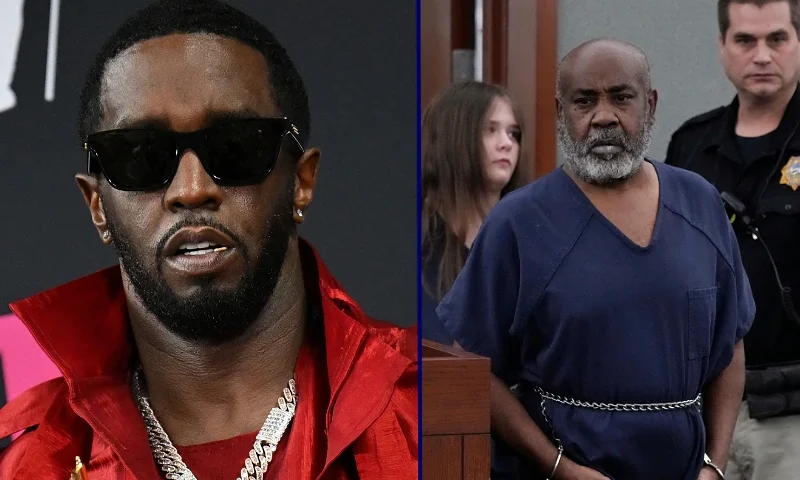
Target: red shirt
<point>357,386</point>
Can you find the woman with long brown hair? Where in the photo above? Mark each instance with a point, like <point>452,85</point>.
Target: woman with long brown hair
<point>472,155</point>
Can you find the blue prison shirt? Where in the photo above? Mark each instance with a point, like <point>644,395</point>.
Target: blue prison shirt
<point>556,296</point>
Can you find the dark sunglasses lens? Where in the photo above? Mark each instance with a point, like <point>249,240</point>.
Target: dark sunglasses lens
<point>135,159</point>
<point>243,152</point>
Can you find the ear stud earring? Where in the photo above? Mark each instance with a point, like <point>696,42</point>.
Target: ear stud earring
<point>299,213</point>
<point>106,235</point>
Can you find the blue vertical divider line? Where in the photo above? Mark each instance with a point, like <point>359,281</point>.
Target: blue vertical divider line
<point>419,238</point>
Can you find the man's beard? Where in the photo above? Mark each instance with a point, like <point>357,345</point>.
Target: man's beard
<point>211,315</point>
<point>598,169</point>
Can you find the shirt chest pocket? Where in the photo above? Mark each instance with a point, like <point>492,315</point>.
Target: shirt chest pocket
<point>781,203</point>
<point>782,196</point>
<point>702,303</point>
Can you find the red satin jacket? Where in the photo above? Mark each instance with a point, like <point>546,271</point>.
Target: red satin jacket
<point>367,424</point>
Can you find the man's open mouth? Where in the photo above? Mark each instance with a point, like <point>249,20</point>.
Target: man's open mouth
<point>197,241</point>
<point>201,248</point>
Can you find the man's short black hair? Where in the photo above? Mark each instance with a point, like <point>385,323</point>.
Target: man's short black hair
<point>724,16</point>
<point>166,17</point>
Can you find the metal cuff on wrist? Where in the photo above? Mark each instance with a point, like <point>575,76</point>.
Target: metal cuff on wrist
<point>708,463</point>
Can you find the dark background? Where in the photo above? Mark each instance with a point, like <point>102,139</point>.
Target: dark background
<point>358,59</point>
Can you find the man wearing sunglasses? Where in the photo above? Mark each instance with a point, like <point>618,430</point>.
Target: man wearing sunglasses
<point>221,347</point>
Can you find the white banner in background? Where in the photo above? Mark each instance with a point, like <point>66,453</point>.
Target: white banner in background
<point>11,21</point>
<point>10,35</point>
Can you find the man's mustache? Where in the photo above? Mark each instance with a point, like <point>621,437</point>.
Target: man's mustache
<point>197,222</point>
<point>615,137</point>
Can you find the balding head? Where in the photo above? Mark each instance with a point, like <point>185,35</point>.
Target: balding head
<point>603,50</point>
<point>606,108</point>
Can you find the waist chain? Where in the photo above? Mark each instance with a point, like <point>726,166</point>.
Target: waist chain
<point>618,407</point>
<point>612,407</point>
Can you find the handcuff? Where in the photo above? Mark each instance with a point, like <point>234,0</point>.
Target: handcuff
<point>708,463</point>
<point>558,460</point>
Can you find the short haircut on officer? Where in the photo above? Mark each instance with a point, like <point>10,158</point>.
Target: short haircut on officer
<point>724,17</point>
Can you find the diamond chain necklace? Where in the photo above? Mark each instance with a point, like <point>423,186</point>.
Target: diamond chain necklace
<point>255,466</point>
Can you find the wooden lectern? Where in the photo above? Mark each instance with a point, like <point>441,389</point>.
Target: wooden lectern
<point>455,414</point>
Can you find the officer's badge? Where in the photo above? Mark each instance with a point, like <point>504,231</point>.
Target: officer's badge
<point>790,174</point>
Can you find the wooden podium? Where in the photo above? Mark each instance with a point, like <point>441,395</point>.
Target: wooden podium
<point>455,414</point>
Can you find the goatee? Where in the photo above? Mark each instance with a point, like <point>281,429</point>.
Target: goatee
<point>212,315</point>
<point>605,168</point>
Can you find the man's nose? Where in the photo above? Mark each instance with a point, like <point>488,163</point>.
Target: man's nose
<point>763,54</point>
<point>192,187</point>
<point>605,118</point>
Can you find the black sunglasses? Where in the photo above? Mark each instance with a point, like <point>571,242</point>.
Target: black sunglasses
<point>234,152</point>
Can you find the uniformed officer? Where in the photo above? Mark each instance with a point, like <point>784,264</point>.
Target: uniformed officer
<point>750,150</point>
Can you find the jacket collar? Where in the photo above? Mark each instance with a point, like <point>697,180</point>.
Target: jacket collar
<point>723,138</point>
<point>82,326</point>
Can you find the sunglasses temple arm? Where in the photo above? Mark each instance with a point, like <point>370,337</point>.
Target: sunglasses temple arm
<point>297,142</point>
<point>88,161</point>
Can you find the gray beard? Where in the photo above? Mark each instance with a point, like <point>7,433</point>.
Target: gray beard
<point>602,170</point>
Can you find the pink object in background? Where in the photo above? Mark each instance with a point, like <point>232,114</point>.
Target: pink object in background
<point>25,365</point>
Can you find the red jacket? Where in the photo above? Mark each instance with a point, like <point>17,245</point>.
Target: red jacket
<point>82,326</point>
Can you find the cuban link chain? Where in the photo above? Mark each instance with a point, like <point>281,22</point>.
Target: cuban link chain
<point>255,466</point>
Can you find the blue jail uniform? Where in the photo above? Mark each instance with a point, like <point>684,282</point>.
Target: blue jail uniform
<point>557,297</point>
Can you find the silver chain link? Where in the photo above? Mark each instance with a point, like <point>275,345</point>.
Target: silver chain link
<point>170,461</point>
<point>612,407</point>
<point>619,407</point>
<point>544,415</point>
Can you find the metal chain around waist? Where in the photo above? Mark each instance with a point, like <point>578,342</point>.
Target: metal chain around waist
<point>619,407</point>
<point>255,466</point>
<point>611,407</point>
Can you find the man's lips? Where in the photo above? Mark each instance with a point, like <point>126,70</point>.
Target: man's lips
<point>197,241</point>
<point>606,148</point>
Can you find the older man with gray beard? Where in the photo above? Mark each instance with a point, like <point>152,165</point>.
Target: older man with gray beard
<point>612,292</point>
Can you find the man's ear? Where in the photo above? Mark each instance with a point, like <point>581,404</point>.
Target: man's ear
<point>90,189</point>
<point>305,182</point>
<point>652,101</point>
